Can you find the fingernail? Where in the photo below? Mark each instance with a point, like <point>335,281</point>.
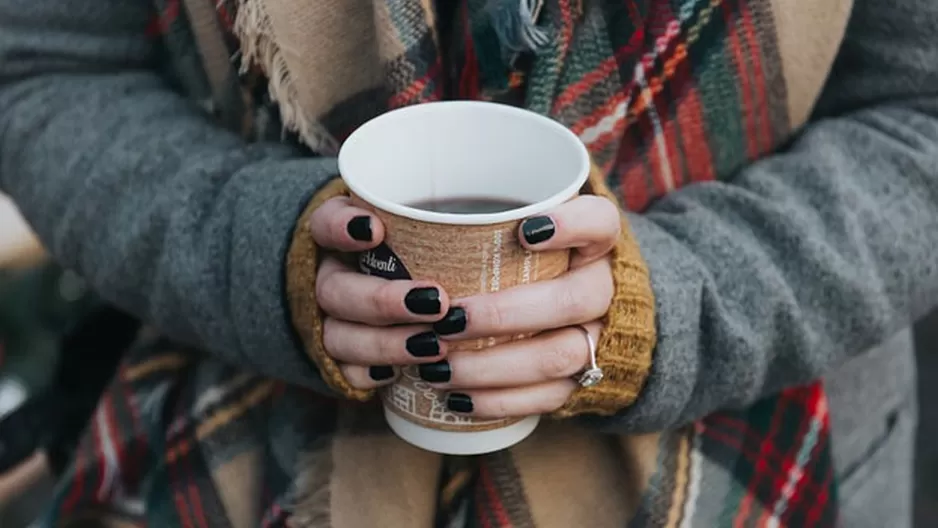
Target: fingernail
<point>423,345</point>
<point>438,372</point>
<point>423,301</point>
<point>359,228</point>
<point>537,229</point>
<point>381,372</point>
<point>452,323</point>
<point>459,402</point>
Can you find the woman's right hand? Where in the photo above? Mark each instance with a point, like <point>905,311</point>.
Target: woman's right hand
<point>373,325</point>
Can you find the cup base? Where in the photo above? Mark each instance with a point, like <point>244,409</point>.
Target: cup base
<point>459,442</point>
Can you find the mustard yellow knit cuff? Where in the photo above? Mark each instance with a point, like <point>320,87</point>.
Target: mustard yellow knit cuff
<point>627,341</point>
<point>625,345</point>
<point>302,263</point>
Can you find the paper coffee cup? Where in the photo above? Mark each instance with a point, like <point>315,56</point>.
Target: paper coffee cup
<point>459,151</point>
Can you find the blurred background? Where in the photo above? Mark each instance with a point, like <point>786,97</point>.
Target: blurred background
<point>37,301</point>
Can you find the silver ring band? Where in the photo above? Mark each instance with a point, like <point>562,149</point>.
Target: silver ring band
<point>592,375</point>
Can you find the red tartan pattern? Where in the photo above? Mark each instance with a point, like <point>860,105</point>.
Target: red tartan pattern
<point>778,453</point>
<point>682,97</point>
<point>143,458</point>
<point>789,462</point>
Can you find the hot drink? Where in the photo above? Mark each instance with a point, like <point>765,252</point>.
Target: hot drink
<point>480,205</point>
<point>452,216</point>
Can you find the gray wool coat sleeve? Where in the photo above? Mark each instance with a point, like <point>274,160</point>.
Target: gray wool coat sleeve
<point>813,255</point>
<point>167,215</point>
<point>772,279</point>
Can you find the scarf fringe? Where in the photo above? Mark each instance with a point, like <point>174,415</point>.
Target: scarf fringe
<point>515,25</point>
<point>259,48</point>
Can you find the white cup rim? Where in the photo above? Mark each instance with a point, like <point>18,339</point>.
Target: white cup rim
<point>466,219</point>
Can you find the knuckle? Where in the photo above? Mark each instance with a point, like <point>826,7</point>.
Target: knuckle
<point>574,302</point>
<point>556,399</point>
<point>565,358</point>
<point>607,207</point>
<point>386,300</point>
<point>330,336</point>
<point>489,315</point>
<point>321,226</point>
<point>602,286</point>
<point>597,288</point>
<point>388,348</point>
<point>609,213</point>
<point>356,377</point>
<point>315,221</point>
<point>592,253</point>
<point>326,291</point>
<point>595,203</point>
<point>616,229</point>
<point>500,408</point>
<point>604,294</point>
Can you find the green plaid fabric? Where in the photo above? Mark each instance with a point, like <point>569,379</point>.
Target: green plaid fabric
<point>664,93</point>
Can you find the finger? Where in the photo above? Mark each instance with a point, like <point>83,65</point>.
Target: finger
<point>351,296</point>
<point>577,297</point>
<point>508,403</point>
<point>338,225</point>
<point>589,224</point>
<point>371,377</point>
<point>555,355</point>
<point>372,345</point>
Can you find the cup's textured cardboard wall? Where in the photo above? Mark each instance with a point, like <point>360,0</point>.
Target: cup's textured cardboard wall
<point>465,260</point>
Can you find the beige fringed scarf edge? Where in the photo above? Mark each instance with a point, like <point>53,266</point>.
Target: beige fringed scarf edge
<point>339,485</point>
<point>362,475</point>
<point>259,48</point>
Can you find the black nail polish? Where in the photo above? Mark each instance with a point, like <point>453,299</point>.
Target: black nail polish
<point>438,372</point>
<point>423,301</point>
<point>381,372</point>
<point>459,402</point>
<point>423,345</point>
<point>359,228</point>
<point>537,229</point>
<point>453,323</point>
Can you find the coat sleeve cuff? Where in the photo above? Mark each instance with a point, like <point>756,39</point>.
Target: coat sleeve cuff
<point>627,342</point>
<point>302,264</point>
<point>625,346</point>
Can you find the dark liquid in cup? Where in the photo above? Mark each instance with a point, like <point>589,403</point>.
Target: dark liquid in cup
<point>469,205</point>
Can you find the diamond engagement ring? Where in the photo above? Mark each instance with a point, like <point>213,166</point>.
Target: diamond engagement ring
<point>592,375</point>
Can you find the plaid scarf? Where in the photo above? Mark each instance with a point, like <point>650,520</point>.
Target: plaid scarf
<point>664,94</point>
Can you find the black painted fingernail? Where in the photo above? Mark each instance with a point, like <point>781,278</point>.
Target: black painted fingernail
<point>537,229</point>
<point>452,323</point>
<point>381,372</point>
<point>459,402</point>
<point>438,372</point>
<point>423,345</point>
<point>359,228</point>
<point>423,301</point>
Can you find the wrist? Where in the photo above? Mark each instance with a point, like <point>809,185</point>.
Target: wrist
<point>626,344</point>
<point>302,263</point>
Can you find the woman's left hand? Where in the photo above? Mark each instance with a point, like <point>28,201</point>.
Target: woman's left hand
<point>536,375</point>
